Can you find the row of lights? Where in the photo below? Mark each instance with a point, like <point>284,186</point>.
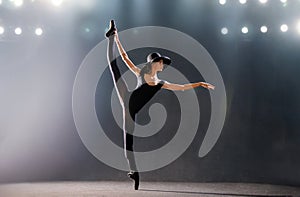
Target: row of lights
<point>223,2</point>
<point>263,29</point>
<point>19,3</point>
<point>18,31</point>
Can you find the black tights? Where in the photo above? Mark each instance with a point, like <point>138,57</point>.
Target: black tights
<point>123,93</point>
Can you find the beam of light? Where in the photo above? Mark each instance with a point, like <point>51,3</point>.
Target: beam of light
<point>264,29</point>
<point>284,28</point>
<point>263,1</point>
<point>18,31</point>
<point>18,3</point>
<point>2,30</point>
<point>224,30</point>
<point>38,31</point>
<point>57,3</point>
<point>243,1</point>
<point>284,3</point>
<point>222,2</point>
<point>298,27</point>
<point>245,30</point>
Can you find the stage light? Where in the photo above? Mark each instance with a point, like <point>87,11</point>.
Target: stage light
<point>224,30</point>
<point>243,1</point>
<point>284,28</point>
<point>18,3</point>
<point>264,29</point>
<point>222,2</point>
<point>263,1</point>
<point>245,30</point>
<point>18,31</point>
<point>38,31</point>
<point>1,30</point>
<point>57,2</point>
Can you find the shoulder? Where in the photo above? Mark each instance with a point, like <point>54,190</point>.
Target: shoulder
<point>162,82</point>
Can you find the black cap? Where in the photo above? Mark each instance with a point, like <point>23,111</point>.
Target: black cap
<point>156,57</point>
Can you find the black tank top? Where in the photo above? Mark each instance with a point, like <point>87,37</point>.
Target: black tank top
<point>141,96</point>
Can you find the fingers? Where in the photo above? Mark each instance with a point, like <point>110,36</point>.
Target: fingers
<point>208,86</point>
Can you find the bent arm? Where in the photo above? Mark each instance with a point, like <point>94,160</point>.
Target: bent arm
<point>174,87</point>
<point>125,57</point>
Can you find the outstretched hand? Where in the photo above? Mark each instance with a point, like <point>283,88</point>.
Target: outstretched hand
<point>207,85</point>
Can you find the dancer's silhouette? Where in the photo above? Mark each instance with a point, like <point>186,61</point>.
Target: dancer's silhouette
<point>148,85</point>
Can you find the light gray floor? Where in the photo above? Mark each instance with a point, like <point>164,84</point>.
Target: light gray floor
<point>124,189</point>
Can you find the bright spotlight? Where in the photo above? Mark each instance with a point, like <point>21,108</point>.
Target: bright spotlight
<point>283,1</point>
<point>224,30</point>
<point>245,30</point>
<point>1,30</point>
<point>263,1</point>
<point>18,3</point>
<point>18,31</point>
<point>0,2</point>
<point>38,31</point>
<point>243,1</point>
<point>264,29</point>
<point>298,27</point>
<point>284,28</point>
<point>222,2</point>
<point>57,2</point>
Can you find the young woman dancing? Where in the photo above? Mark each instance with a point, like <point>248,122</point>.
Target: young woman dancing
<point>148,85</point>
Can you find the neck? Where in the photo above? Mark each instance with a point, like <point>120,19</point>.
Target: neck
<point>151,78</point>
<point>153,74</point>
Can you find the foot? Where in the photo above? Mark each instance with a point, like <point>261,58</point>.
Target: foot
<point>112,29</point>
<point>136,178</point>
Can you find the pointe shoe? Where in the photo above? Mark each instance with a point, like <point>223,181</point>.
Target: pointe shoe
<point>112,29</point>
<point>136,178</point>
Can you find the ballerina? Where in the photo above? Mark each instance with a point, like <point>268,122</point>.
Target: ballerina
<point>148,85</point>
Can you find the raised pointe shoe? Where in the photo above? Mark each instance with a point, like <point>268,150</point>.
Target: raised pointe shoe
<point>136,178</point>
<point>112,29</point>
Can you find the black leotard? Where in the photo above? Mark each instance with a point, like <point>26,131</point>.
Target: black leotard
<point>141,96</point>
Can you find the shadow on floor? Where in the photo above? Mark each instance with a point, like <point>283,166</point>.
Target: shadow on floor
<point>211,193</point>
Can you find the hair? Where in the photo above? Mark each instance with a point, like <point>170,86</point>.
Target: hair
<point>146,69</point>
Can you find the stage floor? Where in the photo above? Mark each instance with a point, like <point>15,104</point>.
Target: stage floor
<point>151,189</point>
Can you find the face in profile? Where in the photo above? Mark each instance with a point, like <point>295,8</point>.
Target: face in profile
<point>158,66</point>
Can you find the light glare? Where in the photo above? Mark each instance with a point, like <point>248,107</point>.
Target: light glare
<point>1,30</point>
<point>57,2</point>
<point>38,31</point>
<point>224,31</point>
<point>243,1</point>
<point>18,31</point>
<point>18,3</point>
<point>245,30</point>
<point>264,29</point>
<point>284,28</point>
<point>222,2</point>
<point>298,27</point>
<point>263,1</point>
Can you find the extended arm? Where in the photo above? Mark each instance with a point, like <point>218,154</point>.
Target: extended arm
<point>173,86</point>
<point>125,57</point>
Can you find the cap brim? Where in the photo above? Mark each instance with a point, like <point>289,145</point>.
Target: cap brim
<point>166,60</point>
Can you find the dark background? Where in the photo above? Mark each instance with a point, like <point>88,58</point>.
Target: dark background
<point>260,139</point>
